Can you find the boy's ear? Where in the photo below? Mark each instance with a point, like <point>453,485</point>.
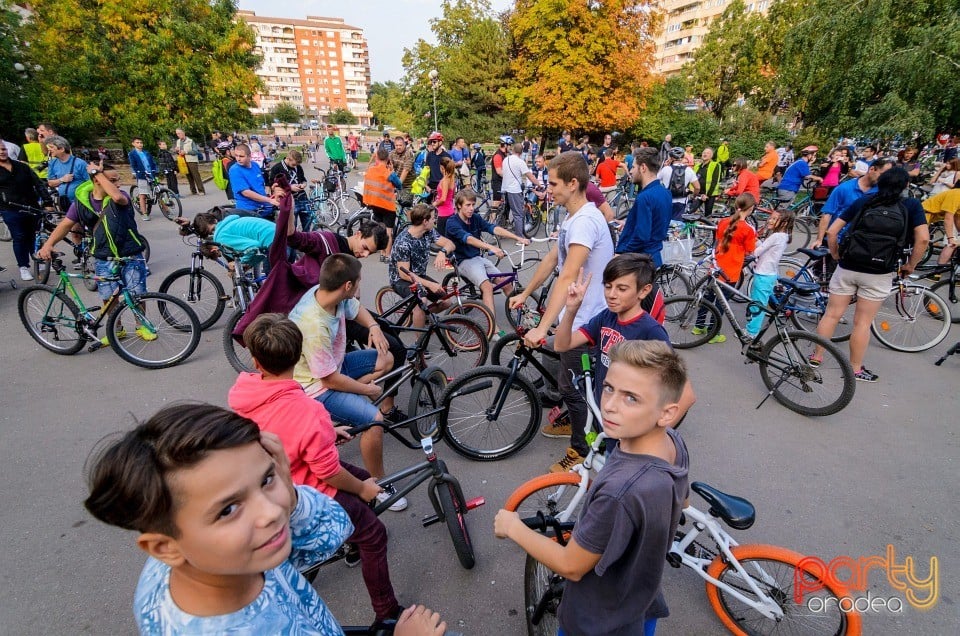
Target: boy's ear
<point>161,547</point>
<point>645,290</point>
<point>668,413</point>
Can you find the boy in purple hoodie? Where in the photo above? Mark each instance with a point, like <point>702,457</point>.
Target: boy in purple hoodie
<point>277,403</point>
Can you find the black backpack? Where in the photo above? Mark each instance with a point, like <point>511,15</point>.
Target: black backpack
<point>678,181</point>
<point>876,239</point>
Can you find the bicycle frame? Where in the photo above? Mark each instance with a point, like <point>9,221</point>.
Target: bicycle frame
<point>718,286</point>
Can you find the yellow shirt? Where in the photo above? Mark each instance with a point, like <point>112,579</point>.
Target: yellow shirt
<point>947,202</point>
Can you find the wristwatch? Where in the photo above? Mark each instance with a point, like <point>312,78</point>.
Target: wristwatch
<point>93,172</point>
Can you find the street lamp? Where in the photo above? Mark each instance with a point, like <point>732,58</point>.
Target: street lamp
<point>434,83</point>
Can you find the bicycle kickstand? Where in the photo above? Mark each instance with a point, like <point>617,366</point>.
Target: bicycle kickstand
<point>952,350</point>
<point>773,389</point>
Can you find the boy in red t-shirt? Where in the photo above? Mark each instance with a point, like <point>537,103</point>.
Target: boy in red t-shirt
<point>607,170</point>
<point>277,403</point>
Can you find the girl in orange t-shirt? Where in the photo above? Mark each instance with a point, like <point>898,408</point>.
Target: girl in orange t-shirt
<point>735,239</point>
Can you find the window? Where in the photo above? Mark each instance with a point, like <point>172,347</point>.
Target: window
<point>305,42</point>
<point>331,54</point>
<point>311,89</point>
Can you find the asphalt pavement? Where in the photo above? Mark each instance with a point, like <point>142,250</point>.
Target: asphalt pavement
<point>879,473</point>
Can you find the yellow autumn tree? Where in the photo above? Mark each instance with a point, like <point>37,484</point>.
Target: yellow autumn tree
<point>582,64</point>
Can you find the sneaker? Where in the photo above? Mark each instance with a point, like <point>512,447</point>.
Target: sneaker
<point>558,424</point>
<point>145,217</point>
<point>395,415</point>
<point>146,334</point>
<point>25,274</point>
<point>864,375</point>
<point>353,556</point>
<point>717,339</point>
<point>398,505</point>
<point>567,462</point>
<point>105,342</point>
<point>698,331</point>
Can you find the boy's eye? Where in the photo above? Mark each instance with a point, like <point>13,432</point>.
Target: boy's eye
<point>228,511</point>
<point>607,388</point>
<point>269,479</point>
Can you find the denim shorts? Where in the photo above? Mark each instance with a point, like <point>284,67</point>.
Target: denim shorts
<point>352,409</point>
<point>477,270</point>
<point>134,277</point>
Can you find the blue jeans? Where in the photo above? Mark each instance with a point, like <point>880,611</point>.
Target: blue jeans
<point>649,628</point>
<point>352,409</point>
<point>762,288</point>
<point>134,275</point>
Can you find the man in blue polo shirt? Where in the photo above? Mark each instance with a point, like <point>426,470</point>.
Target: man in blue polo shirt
<point>798,171</point>
<point>847,192</point>
<point>646,226</point>
<point>246,180</point>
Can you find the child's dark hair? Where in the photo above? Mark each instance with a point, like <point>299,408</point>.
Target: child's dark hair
<point>274,341</point>
<point>375,229</point>
<point>640,265</point>
<point>204,223</point>
<point>338,269</point>
<point>658,358</point>
<point>128,479</point>
<point>784,222</point>
<point>421,213</point>
<point>743,206</point>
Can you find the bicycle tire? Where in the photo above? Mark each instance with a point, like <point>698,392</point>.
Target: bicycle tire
<point>454,510</point>
<point>834,373</point>
<point>945,295</point>
<point>169,204</point>
<point>741,619</point>
<point>478,312</point>
<point>349,203</point>
<point>937,239</point>
<point>466,288</point>
<point>465,418</point>
<point>703,239</point>
<point>467,342</point>
<point>146,249</point>
<point>531,219</point>
<point>386,298</point>
<point>673,281</point>
<point>426,394</point>
<point>680,317</point>
<point>135,201</point>
<point>188,285</point>
<point>5,235</point>
<point>546,389</point>
<point>550,494</point>
<point>914,321</point>
<point>44,319</point>
<point>40,268</point>
<point>170,319</point>
<point>88,267</point>
<point>530,313</point>
<point>355,219</point>
<point>237,355</point>
<point>538,582</point>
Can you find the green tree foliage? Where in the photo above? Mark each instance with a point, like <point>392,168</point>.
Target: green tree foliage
<point>144,67</point>
<point>386,102</point>
<point>580,64</point>
<point>286,113</point>
<point>342,116</point>
<point>471,58</point>
<point>18,91</point>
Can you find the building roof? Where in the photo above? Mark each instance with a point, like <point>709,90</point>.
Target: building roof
<point>317,22</point>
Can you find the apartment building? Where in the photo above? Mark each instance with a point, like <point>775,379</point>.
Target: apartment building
<point>317,64</point>
<point>686,24</point>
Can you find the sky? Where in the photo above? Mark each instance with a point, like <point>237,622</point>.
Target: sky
<point>389,25</point>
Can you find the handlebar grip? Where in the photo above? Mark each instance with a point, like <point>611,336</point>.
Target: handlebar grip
<point>360,428</point>
<point>585,362</point>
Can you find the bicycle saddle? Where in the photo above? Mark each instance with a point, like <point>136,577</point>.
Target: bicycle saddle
<point>801,287</point>
<point>693,218</point>
<point>813,253</point>
<point>737,512</point>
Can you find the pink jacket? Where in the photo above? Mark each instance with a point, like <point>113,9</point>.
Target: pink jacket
<point>303,425</point>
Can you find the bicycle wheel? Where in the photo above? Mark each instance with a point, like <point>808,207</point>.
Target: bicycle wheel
<point>51,319</point>
<point>525,271</point>
<point>135,201</point>
<point>174,328</point>
<point>387,298</point>
<point>467,290</point>
<point>502,355</point>
<point>467,344</point>
<point>801,387</point>
<point>473,425</point>
<point>237,355</point>
<point>934,247</point>
<point>542,591</point>
<point>680,321</point>
<point>426,394</point>
<point>478,312</point>
<point>673,281</point>
<point>915,319</point>
<point>146,249</point>
<point>88,267</point>
<point>41,269</point>
<point>355,218</point>
<point>942,289</point>
<point>169,204</point>
<point>775,570</point>
<point>201,290</point>
<point>529,313</point>
<point>531,220</point>
<point>5,235</point>
<point>327,212</point>
<point>552,494</point>
<point>703,239</point>
<point>454,510</point>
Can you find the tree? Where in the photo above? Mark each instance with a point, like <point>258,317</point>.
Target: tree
<point>581,64</point>
<point>343,117</point>
<point>386,102</point>
<point>144,67</point>
<point>286,113</point>
<point>18,94</point>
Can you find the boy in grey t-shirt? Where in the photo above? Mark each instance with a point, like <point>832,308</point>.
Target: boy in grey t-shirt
<point>614,560</point>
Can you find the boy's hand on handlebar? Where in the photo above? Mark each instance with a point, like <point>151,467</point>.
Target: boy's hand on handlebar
<point>496,251</point>
<point>523,241</point>
<point>343,434</point>
<point>418,620</point>
<point>516,301</point>
<point>535,337</point>
<point>503,522</point>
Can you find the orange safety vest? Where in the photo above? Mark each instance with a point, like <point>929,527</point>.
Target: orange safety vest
<point>378,192</point>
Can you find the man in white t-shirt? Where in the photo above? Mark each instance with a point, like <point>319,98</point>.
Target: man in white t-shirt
<point>584,245</point>
<point>514,170</point>
<point>678,192</point>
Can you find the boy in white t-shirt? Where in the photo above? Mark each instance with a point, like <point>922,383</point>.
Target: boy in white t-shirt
<point>515,169</point>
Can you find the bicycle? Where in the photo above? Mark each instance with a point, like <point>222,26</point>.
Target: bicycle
<point>946,286</point>
<point>58,319</point>
<point>784,360</point>
<point>324,212</point>
<point>246,284</point>
<point>160,195</point>
<point>81,250</point>
<point>399,310</point>
<point>337,175</point>
<point>912,318</point>
<point>198,287</point>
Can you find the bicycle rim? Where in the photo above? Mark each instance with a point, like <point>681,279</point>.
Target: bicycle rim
<point>88,268</point>
<point>201,290</point>
<point>816,391</point>
<point>171,322</point>
<point>50,318</point>
<point>426,395</point>
<point>673,281</point>
<point>914,320</point>
<point>237,355</point>
<point>680,321</point>
<point>464,345</point>
<point>170,205</point>
<point>942,289</point>
<point>474,430</point>
<point>775,570</point>
<point>542,592</point>
<point>550,494</point>
<point>386,299</point>
<point>478,312</point>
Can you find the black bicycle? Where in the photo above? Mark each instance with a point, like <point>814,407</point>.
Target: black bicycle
<point>159,195</point>
<point>198,287</point>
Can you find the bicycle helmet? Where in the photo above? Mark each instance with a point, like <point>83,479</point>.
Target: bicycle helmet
<point>476,146</point>
<point>676,152</point>
<point>506,139</point>
<point>435,136</point>
<point>809,150</point>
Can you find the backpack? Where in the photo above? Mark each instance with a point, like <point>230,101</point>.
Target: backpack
<point>219,174</point>
<point>876,238</point>
<point>678,181</point>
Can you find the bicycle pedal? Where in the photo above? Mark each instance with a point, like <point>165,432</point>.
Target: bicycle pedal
<point>95,346</point>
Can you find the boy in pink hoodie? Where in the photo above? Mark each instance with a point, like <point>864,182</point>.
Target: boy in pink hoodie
<point>277,403</point>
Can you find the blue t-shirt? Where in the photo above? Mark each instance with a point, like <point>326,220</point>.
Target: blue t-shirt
<point>246,179</point>
<point>844,195</point>
<point>794,176</point>
<point>459,155</point>
<point>287,604</point>
<point>245,232</point>
<point>915,218</point>
<point>74,165</point>
<point>604,331</point>
<point>459,232</point>
<point>646,227</point>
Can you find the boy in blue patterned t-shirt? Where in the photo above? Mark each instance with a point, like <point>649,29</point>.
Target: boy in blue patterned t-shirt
<point>226,530</point>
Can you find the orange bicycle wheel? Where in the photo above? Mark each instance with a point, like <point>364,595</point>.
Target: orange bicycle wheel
<point>550,494</point>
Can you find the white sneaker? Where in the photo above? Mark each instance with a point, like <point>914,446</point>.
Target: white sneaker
<point>145,217</point>
<point>26,275</point>
<point>398,505</point>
